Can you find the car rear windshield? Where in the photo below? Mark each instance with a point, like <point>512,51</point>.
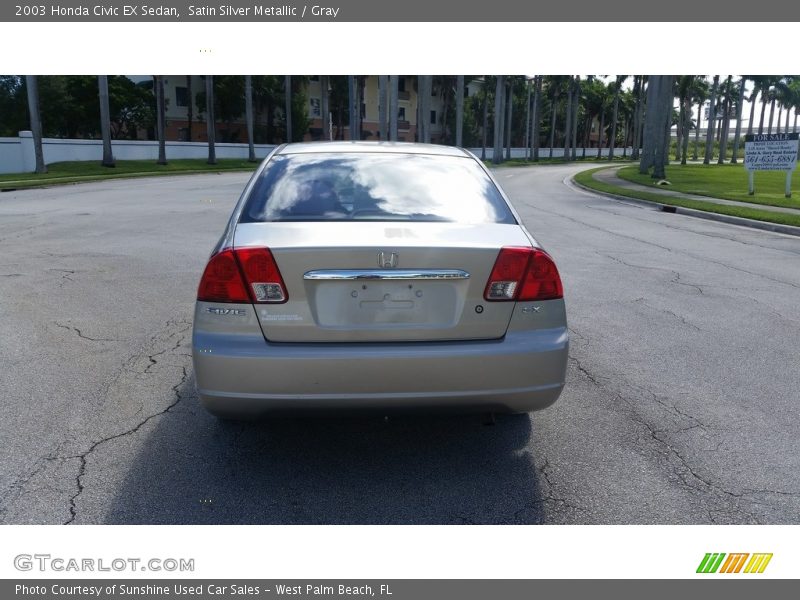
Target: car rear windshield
<point>375,187</point>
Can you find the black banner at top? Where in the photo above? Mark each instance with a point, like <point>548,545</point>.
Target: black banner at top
<point>404,11</point>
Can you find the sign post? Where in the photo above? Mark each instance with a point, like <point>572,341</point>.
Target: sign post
<point>771,152</point>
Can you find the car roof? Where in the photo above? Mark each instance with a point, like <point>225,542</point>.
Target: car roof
<point>371,147</point>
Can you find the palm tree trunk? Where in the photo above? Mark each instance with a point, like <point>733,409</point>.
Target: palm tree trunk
<point>210,120</point>
<point>786,128</point>
<point>287,87</point>
<point>780,114</point>
<point>771,114</point>
<point>32,84</point>
<point>575,106</point>
<point>687,110</point>
<point>189,108</point>
<point>568,120</point>
<point>553,125</point>
<point>105,121</point>
<point>485,121</point>
<point>697,130</point>
<point>600,134</point>
<point>509,109</point>
<point>648,141</point>
<point>613,140</point>
<point>637,125</point>
<point>352,103</point>
<point>723,143</point>
<point>460,110</point>
<point>680,133</point>
<point>763,111</point>
<point>383,85</point>
<point>324,84</point>
<point>394,100</point>
<point>752,112</point>
<point>528,122</point>
<point>497,150</point>
<point>661,126</point>
<point>738,133</point>
<point>711,120</point>
<point>248,109</point>
<point>537,101</point>
<point>160,119</point>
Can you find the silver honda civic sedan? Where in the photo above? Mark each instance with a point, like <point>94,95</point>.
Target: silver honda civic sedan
<point>377,276</point>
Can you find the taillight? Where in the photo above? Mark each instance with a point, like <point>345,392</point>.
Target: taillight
<point>242,275</point>
<point>523,274</point>
<point>222,281</point>
<point>263,278</point>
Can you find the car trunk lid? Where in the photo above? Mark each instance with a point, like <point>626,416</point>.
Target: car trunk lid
<point>382,281</point>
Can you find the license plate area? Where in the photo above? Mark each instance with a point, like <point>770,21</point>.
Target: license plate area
<point>382,304</point>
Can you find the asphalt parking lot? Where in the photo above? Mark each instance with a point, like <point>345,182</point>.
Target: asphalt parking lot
<point>681,403</point>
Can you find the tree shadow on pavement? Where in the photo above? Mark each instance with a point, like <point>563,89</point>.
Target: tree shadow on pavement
<point>420,469</point>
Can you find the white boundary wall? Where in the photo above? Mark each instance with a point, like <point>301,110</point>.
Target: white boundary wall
<point>544,153</point>
<point>17,156</point>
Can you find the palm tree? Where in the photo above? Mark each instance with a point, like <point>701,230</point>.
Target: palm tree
<point>537,102</point>
<point>105,121</point>
<point>383,97</point>
<point>657,122</point>
<point>728,91</point>
<point>739,108</point>
<point>620,79</point>
<point>684,120</point>
<point>484,131</point>
<point>700,95</point>
<point>711,120</point>
<point>324,88</point>
<point>158,81</point>
<point>575,110</point>
<point>353,104</point>
<point>568,118</point>
<point>210,121</point>
<point>554,90</point>
<point>508,117</point>
<point>459,110</point>
<point>497,151</point>
<point>248,110</point>
<point>189,108</point>
<point>394,97</point>
<point>638,87</point>
<point>32,85</point>
<point>287,87</point>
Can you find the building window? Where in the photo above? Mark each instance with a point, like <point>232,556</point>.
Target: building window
<point>181,96</point>
<point>401,114</point>
<point>433,117</point>
<point>401,84</point>
<point>315,110</point>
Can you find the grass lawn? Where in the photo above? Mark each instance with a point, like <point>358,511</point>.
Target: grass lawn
<point>77,171</point>
<point>585,178</point>
<point>723,181</point>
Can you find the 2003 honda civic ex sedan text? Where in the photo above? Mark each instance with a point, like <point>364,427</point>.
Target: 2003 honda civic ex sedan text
<point>377,275</point>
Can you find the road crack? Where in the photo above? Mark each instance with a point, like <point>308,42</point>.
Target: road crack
<point>83,457</point>
<point>82,335</point>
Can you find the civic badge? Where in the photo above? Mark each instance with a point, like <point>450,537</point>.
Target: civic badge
<point>387,260</point>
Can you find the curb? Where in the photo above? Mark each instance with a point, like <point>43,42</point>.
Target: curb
<point>700,214</point>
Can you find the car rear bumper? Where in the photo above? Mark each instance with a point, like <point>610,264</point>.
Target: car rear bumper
<point>245,376</point>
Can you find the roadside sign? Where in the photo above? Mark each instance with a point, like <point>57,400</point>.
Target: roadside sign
<point>771,152</point>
